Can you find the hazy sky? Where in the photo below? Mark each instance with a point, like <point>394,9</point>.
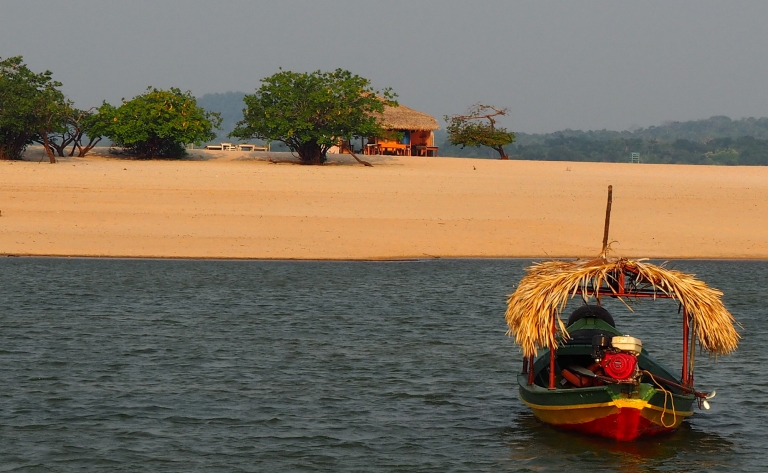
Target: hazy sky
<point>579,64</point>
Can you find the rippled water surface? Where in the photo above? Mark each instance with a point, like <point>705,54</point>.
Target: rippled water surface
<point>145,365</point>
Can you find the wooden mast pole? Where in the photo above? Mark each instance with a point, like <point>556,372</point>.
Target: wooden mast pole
<point>604,253</point>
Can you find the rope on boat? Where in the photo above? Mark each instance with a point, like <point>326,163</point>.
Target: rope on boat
<point>671,397</point>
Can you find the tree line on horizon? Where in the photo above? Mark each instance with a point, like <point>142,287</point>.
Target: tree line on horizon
<point>718,140</point>
<point>310,112</point>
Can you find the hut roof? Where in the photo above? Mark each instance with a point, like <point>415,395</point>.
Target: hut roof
<point>404,118</point>
<point>546,288</point>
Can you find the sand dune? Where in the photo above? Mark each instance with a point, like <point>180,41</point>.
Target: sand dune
<point>233,205</point>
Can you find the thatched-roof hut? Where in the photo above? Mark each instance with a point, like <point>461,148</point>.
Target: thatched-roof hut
<point>417,130</point>
<point>403,118</point>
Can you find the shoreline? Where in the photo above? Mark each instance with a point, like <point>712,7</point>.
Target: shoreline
<point>237,206</point>
<point>395,259</point>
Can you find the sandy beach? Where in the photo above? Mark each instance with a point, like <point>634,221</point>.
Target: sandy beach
<point>238,205</point>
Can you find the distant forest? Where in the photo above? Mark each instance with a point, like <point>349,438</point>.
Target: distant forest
<point>717,140</point>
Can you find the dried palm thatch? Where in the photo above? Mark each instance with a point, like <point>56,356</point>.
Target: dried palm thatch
<point>542,294</point>
<point>404,118</point>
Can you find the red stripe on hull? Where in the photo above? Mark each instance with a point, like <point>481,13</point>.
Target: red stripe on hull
<point>625,425</point>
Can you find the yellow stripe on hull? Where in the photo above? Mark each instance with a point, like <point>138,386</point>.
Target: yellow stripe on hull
<point>583,413</point>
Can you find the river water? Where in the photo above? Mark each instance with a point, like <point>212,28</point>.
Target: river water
<point>166,365</point>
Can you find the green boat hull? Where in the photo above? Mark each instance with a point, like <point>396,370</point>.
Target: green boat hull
<point>618,411</point>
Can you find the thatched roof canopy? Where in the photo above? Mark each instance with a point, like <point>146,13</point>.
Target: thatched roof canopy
<point>404,118</point>
<point>546,288</point>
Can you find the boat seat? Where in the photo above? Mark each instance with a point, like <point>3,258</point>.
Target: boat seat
<point>594,311</point>
<point>584,337</point>
<point>587,321</point>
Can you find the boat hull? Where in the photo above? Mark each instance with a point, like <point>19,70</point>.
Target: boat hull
<point>619,412</point>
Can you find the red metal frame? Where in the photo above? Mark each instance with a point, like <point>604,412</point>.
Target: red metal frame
<point>686,330</point>
<point>530,371</point>
<point>634,295</point>
<point>687,373</point>
<point>691,353</point>
<point>552,357</point>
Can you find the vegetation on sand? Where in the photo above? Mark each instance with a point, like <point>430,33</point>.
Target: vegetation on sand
<point>478,128</point>
<point>157,123</point>
<point>31,108</point>
<point>81,130</point>
<point>311,112</point>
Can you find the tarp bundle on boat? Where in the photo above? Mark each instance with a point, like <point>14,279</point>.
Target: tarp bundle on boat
<point>546,288</point>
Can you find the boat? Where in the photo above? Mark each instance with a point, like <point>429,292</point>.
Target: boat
<point>585,374</point>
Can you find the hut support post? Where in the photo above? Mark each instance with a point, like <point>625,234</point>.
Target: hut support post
<point>552,358</point>
<point>686,329</point>
<point>525,365</point>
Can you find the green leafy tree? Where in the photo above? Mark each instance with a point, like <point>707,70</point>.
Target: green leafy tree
<point>31,108</point>
<point>59,140</point>
<point>89,128</point>
<point>51,111</point>
<point>155,124</point>
<point>82,130</point>
<point>311,112</point>
<point>478,128</point>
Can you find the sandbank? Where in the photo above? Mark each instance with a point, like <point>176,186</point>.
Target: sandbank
<point>238,205</point>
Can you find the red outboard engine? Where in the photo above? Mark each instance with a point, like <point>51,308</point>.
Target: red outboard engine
<point>619,365</point>
<point>617,356</point>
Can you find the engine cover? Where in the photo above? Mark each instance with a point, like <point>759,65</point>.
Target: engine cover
<point>619,365</point>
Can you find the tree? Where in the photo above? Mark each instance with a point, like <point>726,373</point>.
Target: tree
<point>60,139</point>
<point>155,124</point>
<point>478,128</point>
<point>51,110</point>
<point>31,108</point>
<point>82,130</point>
<point>90,125</point>
<point>311,112</point>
